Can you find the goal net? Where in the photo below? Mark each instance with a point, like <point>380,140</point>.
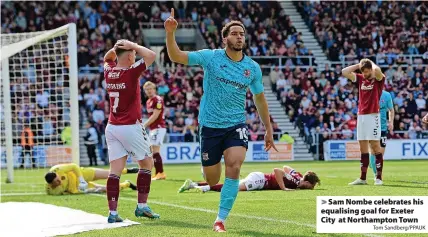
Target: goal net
<point>39,106</point>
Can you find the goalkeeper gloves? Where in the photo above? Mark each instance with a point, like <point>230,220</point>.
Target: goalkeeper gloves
<point>83,185</point>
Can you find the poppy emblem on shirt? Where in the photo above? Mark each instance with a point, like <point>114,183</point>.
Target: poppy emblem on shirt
<point>247,73</point>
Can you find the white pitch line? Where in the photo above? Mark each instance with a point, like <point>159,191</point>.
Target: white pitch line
<point>196,209</point>
<point>20,194</point>
<point>232,214</point>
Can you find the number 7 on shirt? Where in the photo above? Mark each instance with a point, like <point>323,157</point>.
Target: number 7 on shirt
<point>114,95</point>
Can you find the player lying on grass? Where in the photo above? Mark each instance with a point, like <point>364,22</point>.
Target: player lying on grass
<point>72,179</point>
<point>286,179</point>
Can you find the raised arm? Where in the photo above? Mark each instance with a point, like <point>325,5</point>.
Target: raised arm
<point>175,54</point>
<point>378,72</point>
<point>349,73</point>
<point>148,55</point>
<point>110,55</point>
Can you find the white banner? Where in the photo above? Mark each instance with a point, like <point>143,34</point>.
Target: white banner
<point>372,214</point>
<point>395,150</point>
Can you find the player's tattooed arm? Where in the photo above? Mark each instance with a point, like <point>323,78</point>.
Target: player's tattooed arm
<point>174,52</point>
<point>279,175</point>
<point>349,72</point>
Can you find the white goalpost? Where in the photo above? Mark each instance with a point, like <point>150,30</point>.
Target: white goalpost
<point>38,106</point>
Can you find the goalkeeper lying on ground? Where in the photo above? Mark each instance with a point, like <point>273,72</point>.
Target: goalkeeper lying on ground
<point>72,179</point>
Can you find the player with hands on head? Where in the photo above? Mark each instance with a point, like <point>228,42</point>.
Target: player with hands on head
<point>228,73</point>
<point>125,134</point>
<point>370,85</point>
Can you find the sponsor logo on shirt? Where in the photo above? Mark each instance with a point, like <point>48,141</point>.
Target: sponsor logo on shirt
<point>366,88</point>
<point>237,85</point>
<point>113,75</point>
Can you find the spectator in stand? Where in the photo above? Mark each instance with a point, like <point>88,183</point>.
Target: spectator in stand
<point>91,140</point>
<point>27,144</point>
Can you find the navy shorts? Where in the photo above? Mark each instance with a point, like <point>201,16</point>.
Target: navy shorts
<point>214,141</point>
<point>383,139</point>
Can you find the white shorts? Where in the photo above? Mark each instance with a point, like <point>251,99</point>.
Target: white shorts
<point>254,181</point>
<point>157,135</point>
<point>368,127</point>
<point>125,140</point>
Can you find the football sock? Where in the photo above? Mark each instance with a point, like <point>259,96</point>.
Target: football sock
<point>216,187</point>
<point>113,192</point>
<point>364,165</point>
<point>158,163</point>
<point>227,198</point>
<point>202,183</point>
<point>144,180</point>
<point>373,163</point>
<point>379,166</point>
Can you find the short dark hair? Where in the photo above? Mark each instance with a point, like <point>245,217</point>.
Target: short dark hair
<point>365,64</point>
<point>312,178</point>
<point>226,29</point>
<point>120,51</point>
<point>49,177</point>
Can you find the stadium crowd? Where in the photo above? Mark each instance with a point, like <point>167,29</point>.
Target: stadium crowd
<point>315,101</point>
<point>382,29</point>
<point>99,24</point>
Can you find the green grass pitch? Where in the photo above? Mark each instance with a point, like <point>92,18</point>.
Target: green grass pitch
<point>262,213</point>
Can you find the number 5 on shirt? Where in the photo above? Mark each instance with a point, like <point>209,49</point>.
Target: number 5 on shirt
<point>115,95</point>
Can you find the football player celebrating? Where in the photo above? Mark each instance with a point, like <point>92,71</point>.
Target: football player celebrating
<point>156,124</point>
<point>228,73</point>
<point>286,179</point>
<point>72,179</point>
<point>370,86</point>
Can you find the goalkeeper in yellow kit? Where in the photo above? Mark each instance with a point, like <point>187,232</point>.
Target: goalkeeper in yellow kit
<point>72,179</point>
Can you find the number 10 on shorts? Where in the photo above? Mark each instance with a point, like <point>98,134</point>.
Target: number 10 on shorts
<point>242,133</point>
